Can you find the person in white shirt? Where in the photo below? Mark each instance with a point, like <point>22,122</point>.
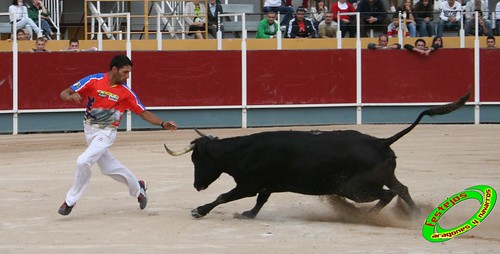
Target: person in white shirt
<point>19,12</point>
<point>451,13</point>
<point>497,18</point>
<point>479,6</point>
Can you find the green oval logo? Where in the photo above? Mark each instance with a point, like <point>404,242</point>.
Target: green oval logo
<point>486,196</point>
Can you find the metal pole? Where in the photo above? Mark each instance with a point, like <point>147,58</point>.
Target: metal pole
<point>129,55</point>
<point>15,74</point>
<point>244,74</point>
<point>359,99</point>
<point>477,115</point>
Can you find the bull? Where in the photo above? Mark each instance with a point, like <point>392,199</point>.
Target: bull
<point>345,163</point>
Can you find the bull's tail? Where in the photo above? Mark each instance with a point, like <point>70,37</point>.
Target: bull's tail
<point>439,110</point>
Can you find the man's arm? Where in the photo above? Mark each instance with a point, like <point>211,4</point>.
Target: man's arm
<point>69,95</point>
<point>151,118</point>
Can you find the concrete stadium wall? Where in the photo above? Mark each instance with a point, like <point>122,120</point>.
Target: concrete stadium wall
<point>289,87</point>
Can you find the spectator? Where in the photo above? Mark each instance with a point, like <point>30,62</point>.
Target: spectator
<point>406,8</point>
<point>45,15</point>
<point>74,45</point>
<point>305,4</point>
<point>383,43</point>
<point>393,28</point>
<point>40,45</point>
<point>373,16</point>
<point>438,40</point>
<point>420,47</point>
<point>393,4</point>
<point>484,29</point>
<point>328,28</point>
<point>347,23</point>
<point>300,26</point>
<point>480,6</point>
<point>195,18</point>
<point>214,8</point>
<point>424,17</point>
<point>318,12</point>
<point>268,27</point>
<point>21,35</point>
<point>19,12</point>
<point>490,42</point>
<point>277,7</point>
<point>450,16</point>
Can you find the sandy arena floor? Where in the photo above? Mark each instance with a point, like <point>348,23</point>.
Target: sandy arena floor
<point>434,161</point>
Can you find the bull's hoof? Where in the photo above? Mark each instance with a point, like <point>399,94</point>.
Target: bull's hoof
<point>196,214</point>
<point>244,215</point>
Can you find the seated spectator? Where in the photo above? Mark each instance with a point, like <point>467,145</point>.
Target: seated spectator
<point>373,16</point>
<point>490,42</point>
<point>484,29</point>
<point>74,45</point>
<point>383,43</point>
<point>420,47</point>
<point>393,28</point>
<point>424,17</point>
<point>305,3</point>
<point>195,18</point>
<point>347,23</point>
<point>214,7</point>
<point>450,16</point>
<point>406,9</point>
<point>301,26</point>
<point>328,28</point>
<point>21,35</point>
<point>40,45</point>
<point>268,27</point>
<point>318,12</point>
<point>44,14</point>
<point>438,41</point>
<point>19,12</point>
<point>276,6</point>
<point>480,6</point>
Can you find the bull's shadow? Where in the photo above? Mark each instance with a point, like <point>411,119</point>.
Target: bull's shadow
<point>346,164</point>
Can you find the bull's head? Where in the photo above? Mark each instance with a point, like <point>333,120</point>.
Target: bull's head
<point>205,169</point>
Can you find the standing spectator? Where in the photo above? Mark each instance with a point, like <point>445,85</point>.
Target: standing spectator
<point>393,28</point>
<point>406,8</point>
<point>480,6</point>
<point>490,42</point>
<point>276,6</point>
<point>373,16</point>
<point>214,8</point>
<point>195,18</point>
<point>268,27</point>
<point>44,14</point>
<point>318,12</point>
<point>383,43</point>
<point>40,45</point>
<point>327,28</point>
<point>483,30</point>
<point>19,12</point>
<point>107,97</point>
<point>347,23</point>
<point>424,17</point>
<point>438,40</point>
<point>420,47</point>
<point>450,16</point>
<point>301,26</point>
<point>305,3</point>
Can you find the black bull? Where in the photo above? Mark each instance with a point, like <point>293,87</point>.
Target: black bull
<point>348,163</point>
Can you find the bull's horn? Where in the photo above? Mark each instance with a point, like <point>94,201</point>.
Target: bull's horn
<point>180,152</point>
<point>200,133</point>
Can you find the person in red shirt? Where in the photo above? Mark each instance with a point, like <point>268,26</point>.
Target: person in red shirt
<point>107,97</point>
<point>347,23</point>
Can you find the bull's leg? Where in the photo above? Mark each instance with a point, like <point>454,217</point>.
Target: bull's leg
<point>232,195</point>
<point>385,198</point>
<point>402,191</point>
<point>261,200</point>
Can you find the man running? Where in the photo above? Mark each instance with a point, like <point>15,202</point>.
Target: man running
<point>107,97</point>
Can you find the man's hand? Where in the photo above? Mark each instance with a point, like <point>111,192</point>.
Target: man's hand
<point>170,125</point>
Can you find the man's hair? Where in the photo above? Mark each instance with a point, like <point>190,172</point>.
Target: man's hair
<point>490,37</point>
<point>383,35</point>
<point>120,61</point>
<point>41,39</point>
<point>20,30</point>
<point>422,40</point>
<point>73,40</point>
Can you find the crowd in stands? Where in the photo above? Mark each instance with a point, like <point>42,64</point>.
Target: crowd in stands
<point>28,18</point>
